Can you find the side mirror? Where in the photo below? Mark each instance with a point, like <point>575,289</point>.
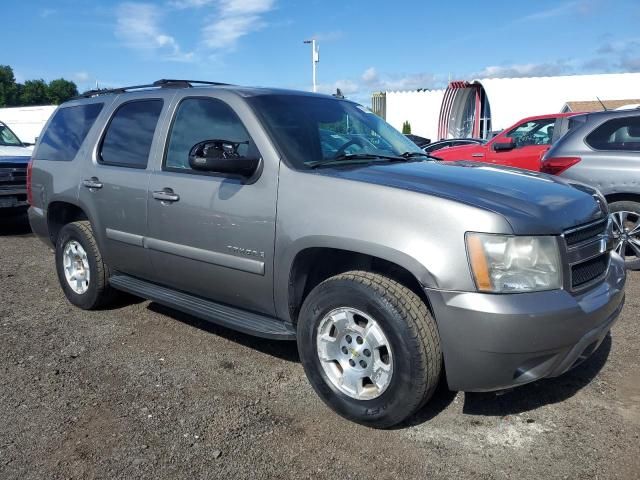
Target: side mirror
<point>504,146</point>
<point>221,156</point>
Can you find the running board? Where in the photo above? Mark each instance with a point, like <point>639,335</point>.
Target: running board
<point>224,315</point>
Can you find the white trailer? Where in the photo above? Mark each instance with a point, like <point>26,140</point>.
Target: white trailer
<point>27,122</point>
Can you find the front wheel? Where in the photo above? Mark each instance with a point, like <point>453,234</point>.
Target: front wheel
<point>626,230</point>
<point>369,347</point>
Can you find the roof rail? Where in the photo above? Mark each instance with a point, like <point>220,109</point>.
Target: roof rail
<point>163,83</point>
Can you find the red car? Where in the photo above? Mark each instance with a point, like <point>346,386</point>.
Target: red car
<point>521,145</point>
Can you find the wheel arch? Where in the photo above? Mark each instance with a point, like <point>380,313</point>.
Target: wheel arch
<point>313,264</point>
<point>60,213</point>
<point>622,197</point>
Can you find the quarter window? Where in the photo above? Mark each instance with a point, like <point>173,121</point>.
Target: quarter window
<point>128,139</point>
<point>200,119</point>
<point>622,134</point>
<point>66,131</point>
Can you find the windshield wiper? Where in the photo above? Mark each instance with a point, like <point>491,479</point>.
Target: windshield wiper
<point>415,154</point>
<point>349,157</point>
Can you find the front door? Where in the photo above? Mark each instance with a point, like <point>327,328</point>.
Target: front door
<point>530,140</point>
<point>213,234</point>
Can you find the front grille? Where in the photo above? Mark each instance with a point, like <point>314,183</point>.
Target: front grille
<point>586,272</point>
<point>13,175</point>
<point>13,178</point>
<point>586,233</point>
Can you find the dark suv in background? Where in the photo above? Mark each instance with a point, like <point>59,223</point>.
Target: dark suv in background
<point>602,149</point>
<point>14,158</point>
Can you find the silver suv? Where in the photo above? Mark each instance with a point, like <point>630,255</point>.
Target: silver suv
<point>603,150</point>
<point>291,215</point>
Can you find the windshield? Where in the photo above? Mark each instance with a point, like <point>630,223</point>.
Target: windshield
<point>8,138</point>
<point>312,130</point>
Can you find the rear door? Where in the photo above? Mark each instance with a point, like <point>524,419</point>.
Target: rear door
<point>113,186</point>
<point>213,234</point>
<point>530,139</point>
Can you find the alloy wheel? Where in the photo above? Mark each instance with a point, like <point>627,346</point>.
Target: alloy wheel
<point>76,267</point>
<point>626,233</point>
<point>355,353</point>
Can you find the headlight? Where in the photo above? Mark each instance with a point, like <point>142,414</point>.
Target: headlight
<point>502,264</point>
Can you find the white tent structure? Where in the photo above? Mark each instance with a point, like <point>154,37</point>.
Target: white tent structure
<point>477,107</point>
<point>420,108</point>
<point>26,122</point>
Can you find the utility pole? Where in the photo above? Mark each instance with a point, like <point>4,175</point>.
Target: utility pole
<point>315,58</point>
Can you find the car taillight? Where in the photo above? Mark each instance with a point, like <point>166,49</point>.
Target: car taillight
<point>557,165</point>
<point>29,191</point>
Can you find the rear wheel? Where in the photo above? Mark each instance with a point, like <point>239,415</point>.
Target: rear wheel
<point>369,347</point>
<point>626,229</point>
<point>83,275</point>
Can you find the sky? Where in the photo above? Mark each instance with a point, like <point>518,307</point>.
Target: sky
<point>365,46</point>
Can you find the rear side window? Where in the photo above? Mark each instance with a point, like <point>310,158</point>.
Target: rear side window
<point>66,131</point>
<point>618,134</point>
<point>127,141</point>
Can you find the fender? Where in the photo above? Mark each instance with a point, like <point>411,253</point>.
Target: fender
<point>286,261</point>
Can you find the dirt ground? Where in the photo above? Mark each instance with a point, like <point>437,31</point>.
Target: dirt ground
<point>141,391</point>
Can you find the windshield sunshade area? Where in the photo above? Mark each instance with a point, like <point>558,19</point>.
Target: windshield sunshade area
<point>8,138</point>
<point>313,131</point>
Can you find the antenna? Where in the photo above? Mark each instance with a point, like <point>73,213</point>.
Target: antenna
<point>603,105</point>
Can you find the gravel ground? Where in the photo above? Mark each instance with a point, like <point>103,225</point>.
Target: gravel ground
<point>141,391</point>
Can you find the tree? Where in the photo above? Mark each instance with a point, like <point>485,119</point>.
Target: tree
<point>34,92</point>
<point>406,127</point>
<point>61,90</point>
<point>8,87</point>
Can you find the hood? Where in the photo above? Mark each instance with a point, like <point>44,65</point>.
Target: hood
<point>461,152</point>
<point>533,203</point>
<point>14,154</point>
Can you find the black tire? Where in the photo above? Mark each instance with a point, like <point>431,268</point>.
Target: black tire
<point>410,329</point>
<point>633,207</point>
<point>99,293</point>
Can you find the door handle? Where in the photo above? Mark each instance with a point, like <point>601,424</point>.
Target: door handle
<point>92,182</point>
<point>166,195</point>
<point>477,155</point>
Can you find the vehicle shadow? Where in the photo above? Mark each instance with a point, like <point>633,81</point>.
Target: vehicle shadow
<point>521,399</point>
<point>284,350</point>
<point>441,399</point>
<point>540,393</point>
<point>14,225</point>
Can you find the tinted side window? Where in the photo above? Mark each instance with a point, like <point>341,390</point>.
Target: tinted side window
<point>127,141</point>
<point>66,132</point>
<point>200,119</point>
<point>617,134</point>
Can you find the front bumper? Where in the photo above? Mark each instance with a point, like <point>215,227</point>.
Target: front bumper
<point>492,342</point>
<point>14,198</point>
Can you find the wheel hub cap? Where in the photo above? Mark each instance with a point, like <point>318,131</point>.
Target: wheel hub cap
<point>355,353</point>
<point>76,267</point>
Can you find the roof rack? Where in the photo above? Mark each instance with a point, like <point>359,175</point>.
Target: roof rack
<point>163,83</point>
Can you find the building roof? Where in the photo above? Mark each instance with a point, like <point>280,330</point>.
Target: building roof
<point>596,106</point>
